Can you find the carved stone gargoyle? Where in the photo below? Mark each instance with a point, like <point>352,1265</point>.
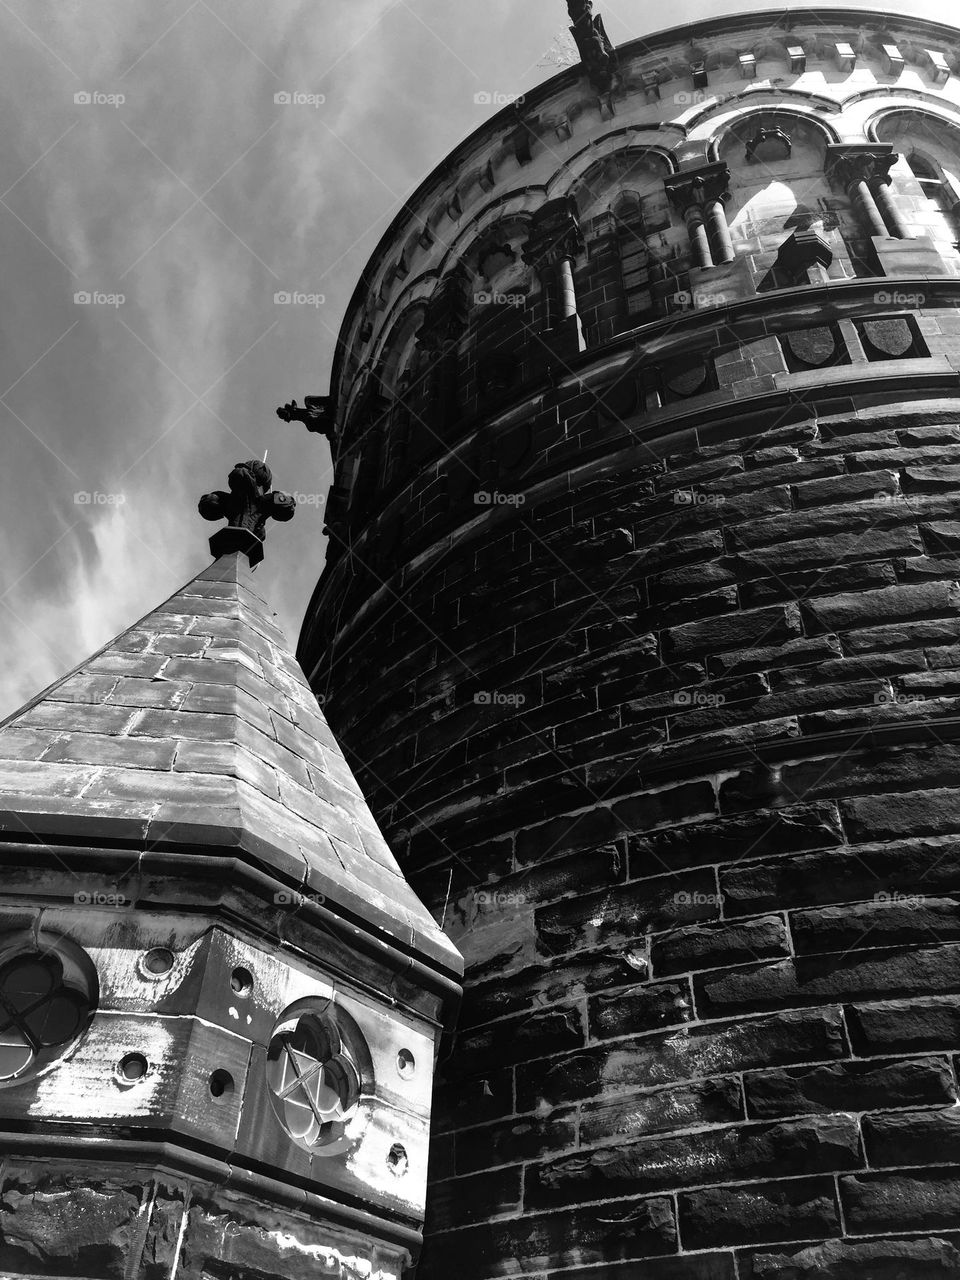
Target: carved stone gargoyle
<point>246,509</point>
<point>317,415</point>
<point>597,54</point>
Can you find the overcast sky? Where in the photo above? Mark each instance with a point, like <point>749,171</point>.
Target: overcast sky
<point>182,197</point>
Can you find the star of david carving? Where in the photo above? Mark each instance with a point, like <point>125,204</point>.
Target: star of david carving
<point>313,1078</point>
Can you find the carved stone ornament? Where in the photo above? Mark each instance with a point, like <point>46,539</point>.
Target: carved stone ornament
<point>698,186</point>
<point>847,163</point>
<point>314,1079</point>
<point>767,146</point>
<point>596,52</point>
<point>317,415</point>
<point>246,509</point>
<point>554,233</point>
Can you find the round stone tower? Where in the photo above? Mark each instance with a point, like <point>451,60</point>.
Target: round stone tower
<point>640,627</point>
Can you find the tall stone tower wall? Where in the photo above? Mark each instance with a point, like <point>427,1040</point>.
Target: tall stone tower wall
<point>641,630</point>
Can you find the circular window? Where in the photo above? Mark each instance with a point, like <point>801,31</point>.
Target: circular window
<point>46,1000</point>
<point>314,1067</point>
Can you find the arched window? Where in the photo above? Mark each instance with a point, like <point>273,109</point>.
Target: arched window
<point>634,256</point>
<point>931,181</point>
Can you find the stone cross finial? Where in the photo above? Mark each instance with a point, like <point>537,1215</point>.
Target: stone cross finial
<point>246,509</point>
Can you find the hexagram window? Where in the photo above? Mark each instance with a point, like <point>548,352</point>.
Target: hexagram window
<point>314,1077</point>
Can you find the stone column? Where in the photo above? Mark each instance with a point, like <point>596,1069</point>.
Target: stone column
<point>699,241</point>
<point>566,292</point>
<point>719,232</point>
<point>889,211</point>
<point>551,248</point>
<point>698,196</point>
<point>863,170</point>
<point>862,199</point>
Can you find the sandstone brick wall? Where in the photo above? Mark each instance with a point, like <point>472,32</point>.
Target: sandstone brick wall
<point>704,874</point>
<point>646,654</point>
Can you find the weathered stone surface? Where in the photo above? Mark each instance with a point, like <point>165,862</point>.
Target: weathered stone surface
<point>520,1138</point>
<point>902,1026</point>
<point>460,1202</point>
<point>853,1260</point>
<point>913,813</point>
<point>624,912</point>
<point>517,1039</point>
<point>736,631</point>
<point>890,920</point>
<point>576,1237</point>
<point>641,1008</point>
<point>915,1201</point>
<point>913,1137</point>
<point>788,982</point>
<point>860,609</point>
<point>848,1086</point>
<point>811,1145</point>
<point>790,1037</point>
<point>709,946</point>
<point>50,1226</point>
<point>911,869</point>
<point>844,488</point>
<point>753,835</point>
<point>796,1209</point>
<point>660,1111</point>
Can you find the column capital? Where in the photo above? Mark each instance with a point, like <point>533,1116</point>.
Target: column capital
<point>554,233</point>
<point>849,162</point>
<point>698,186</point>
<point>447,313</point>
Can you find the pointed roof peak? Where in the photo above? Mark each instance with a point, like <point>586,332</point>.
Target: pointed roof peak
<point>195,729</point>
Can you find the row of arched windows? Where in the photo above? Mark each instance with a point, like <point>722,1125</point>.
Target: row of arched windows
<point>631,267</point>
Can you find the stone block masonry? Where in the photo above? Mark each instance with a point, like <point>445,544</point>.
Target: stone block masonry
<point>646,656</point>
<point>704,875</point>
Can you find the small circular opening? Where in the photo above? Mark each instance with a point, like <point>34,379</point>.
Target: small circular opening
<point>241,981</point>
<point>406,1063</point>
<point>133,1066</point>
<point>221,1084</point>
<point>397,1160</point>
<point>158,961</point>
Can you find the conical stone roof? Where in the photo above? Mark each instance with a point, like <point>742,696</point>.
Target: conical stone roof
<point>196,729</point>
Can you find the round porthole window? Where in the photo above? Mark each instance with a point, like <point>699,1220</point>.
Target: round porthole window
<point>47,997</point>
<point>315,1069</point>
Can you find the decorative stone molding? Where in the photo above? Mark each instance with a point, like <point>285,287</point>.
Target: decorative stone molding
<point>768,145</point>
<point>851,162</point>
